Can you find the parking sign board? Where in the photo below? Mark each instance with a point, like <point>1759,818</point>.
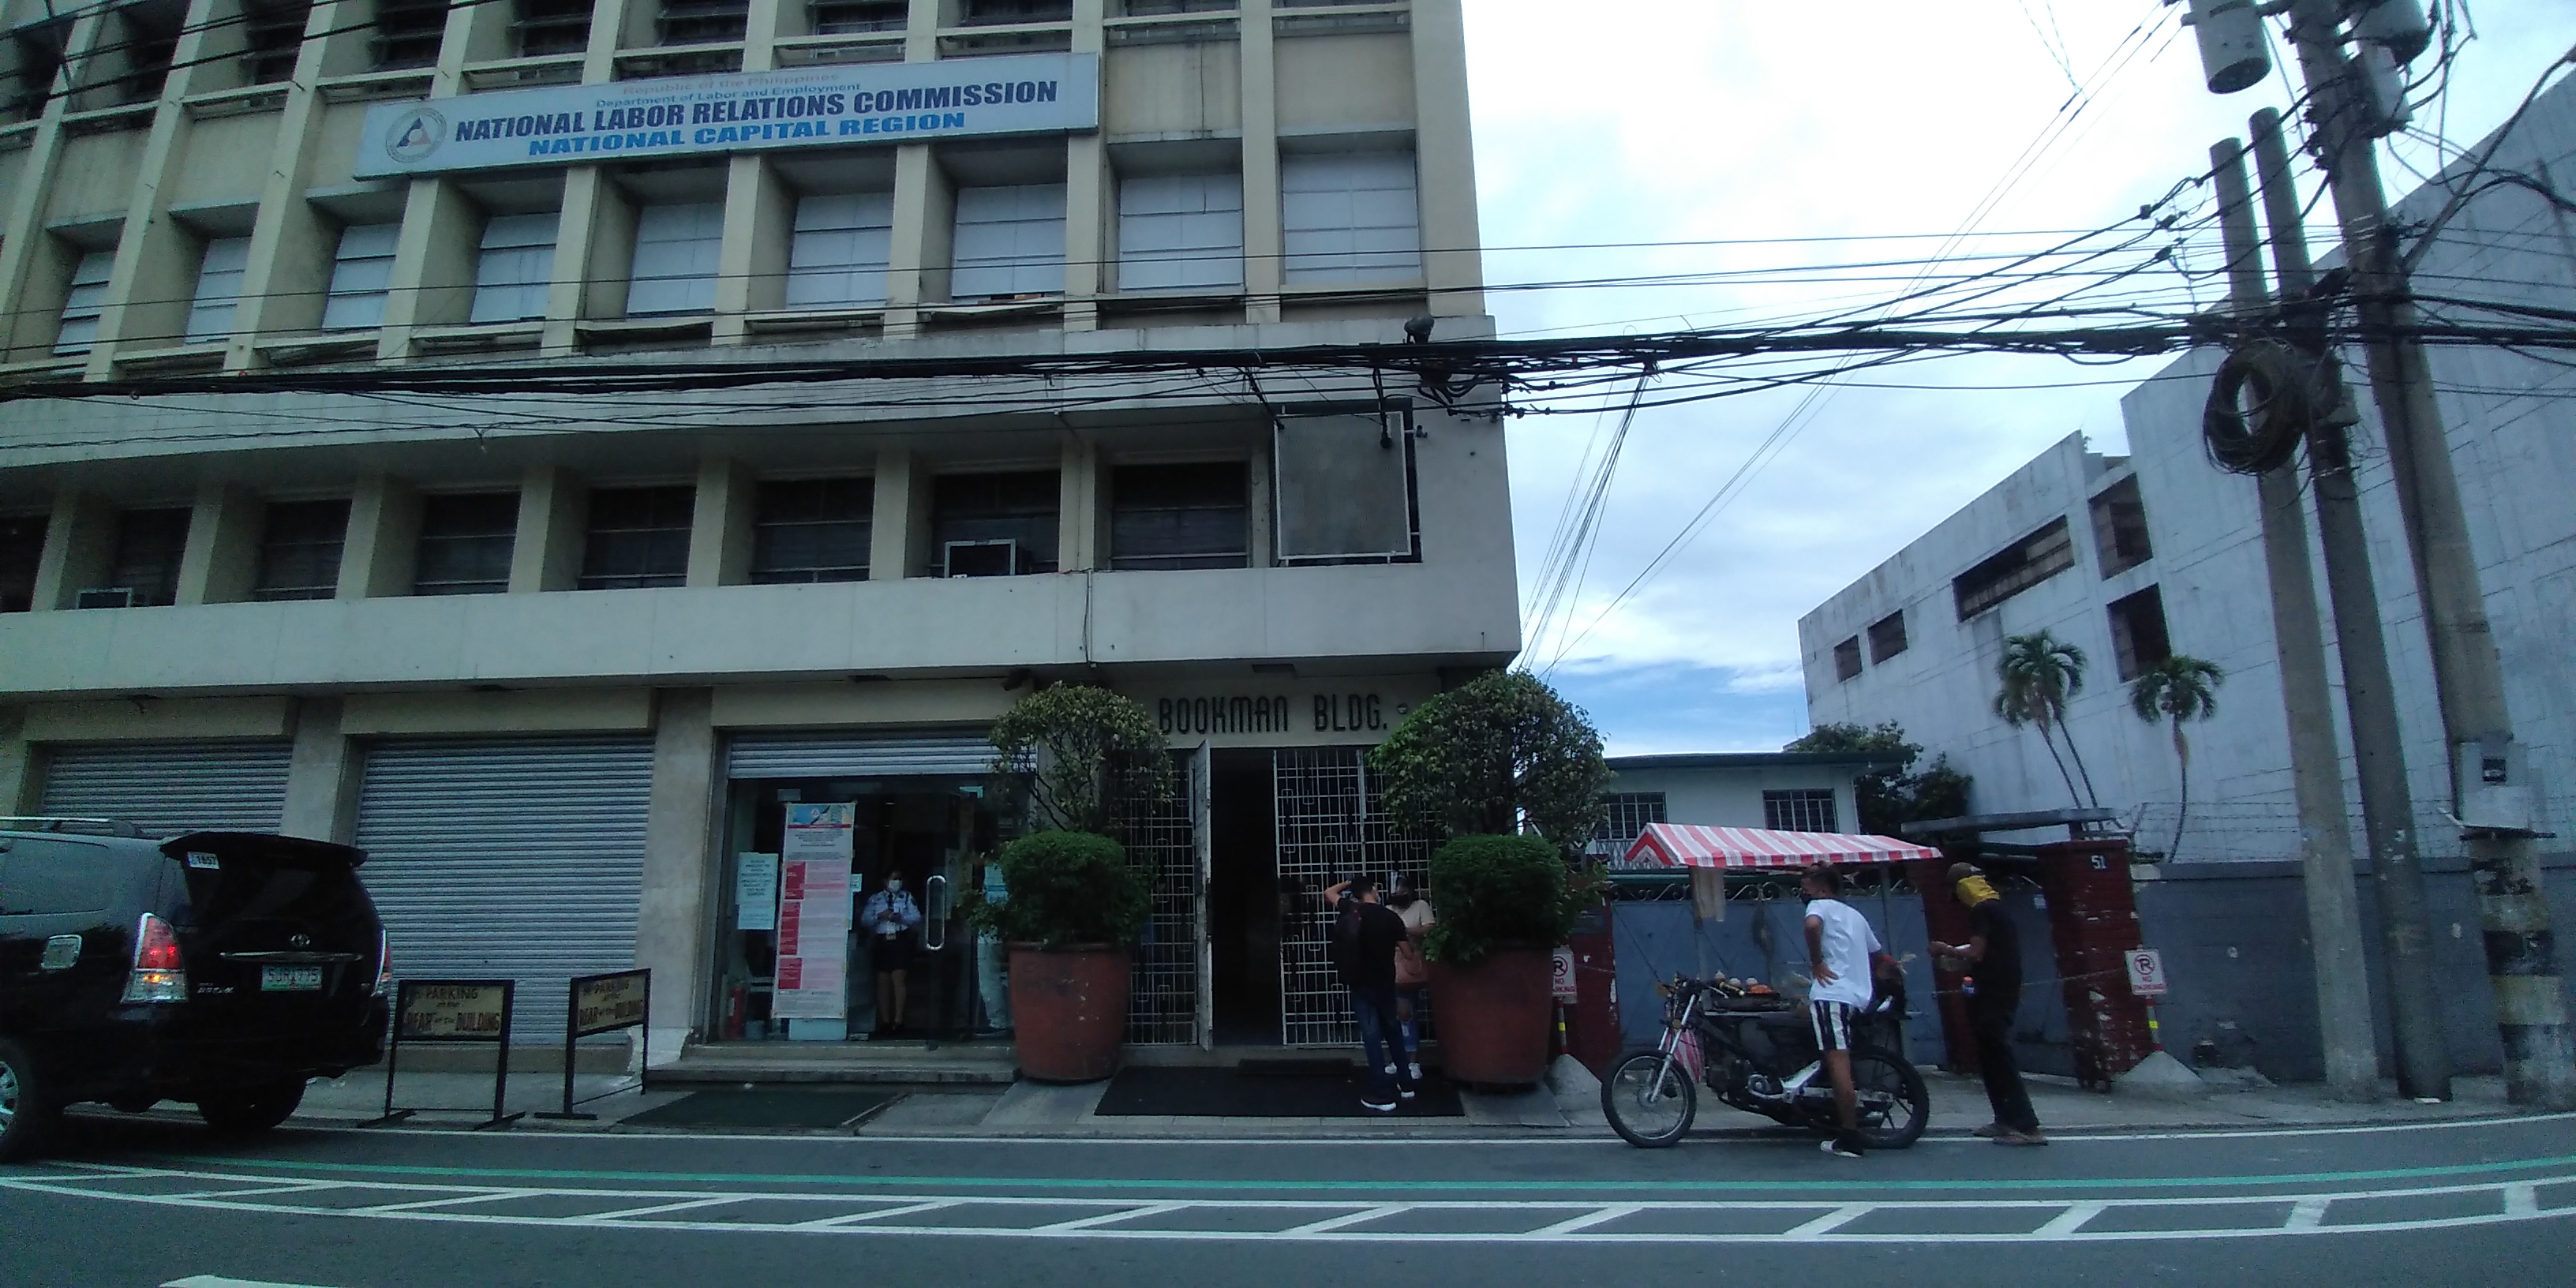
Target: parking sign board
<point>2146,972</point>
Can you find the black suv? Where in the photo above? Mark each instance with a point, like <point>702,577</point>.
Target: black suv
<point>220,968</point>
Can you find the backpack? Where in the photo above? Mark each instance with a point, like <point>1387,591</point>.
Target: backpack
<point>1342,942</point>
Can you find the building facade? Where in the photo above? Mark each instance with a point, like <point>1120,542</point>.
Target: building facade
<point>560,656</point>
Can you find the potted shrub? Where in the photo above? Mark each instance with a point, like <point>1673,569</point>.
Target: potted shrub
<point>1510,775</point>
<point>1073,912</point>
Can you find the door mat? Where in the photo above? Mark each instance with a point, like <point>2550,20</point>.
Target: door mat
<point>1267,1092</point>
<point>766,1108</point>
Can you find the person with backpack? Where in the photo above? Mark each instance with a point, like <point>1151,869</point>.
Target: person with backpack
<point>1363,940</point>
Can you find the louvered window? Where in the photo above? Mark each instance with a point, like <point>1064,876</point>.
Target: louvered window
<point>1179,232</point>
<point>701,22</point>
<point>408,32</point>
<point>552,27</point>
<point>149,545</point>
<point>360,275</point>
<point>85,301</point>
<point>1350,218</point>
<point>838,254</point>
<point>516,266</point>
<point>1010,241</point>
<point>993,524</point>
<point>299,549</point>
<point>676,251</point>
<point>812,530</point>
<point>219,286</point>
<point>845,17</point>
<point>1180,516</point>
<point>638,536</point>
<point>465,543</point>
<point>273,37</point>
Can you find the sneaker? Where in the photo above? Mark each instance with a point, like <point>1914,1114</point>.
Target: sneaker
<point>1377,1107</point>
<point>2022,1139</point>
<point>1415,1070</point>
<point>1839,1148</point>
<point>1404,1093</point>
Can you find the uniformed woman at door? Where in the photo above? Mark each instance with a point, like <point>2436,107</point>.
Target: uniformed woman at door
<point>889,917</point>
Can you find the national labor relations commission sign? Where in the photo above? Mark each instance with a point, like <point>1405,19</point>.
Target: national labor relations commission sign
<point>756,111</point>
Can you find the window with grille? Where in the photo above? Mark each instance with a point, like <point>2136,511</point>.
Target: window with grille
<point>1886,637</point>
<point>2138,636</point>
<point>84,302</point>
<point>516,266</point>
<point>361,272</point>
<point>806,530</point>
<point>849,17</point>
<point>1180,516</point>
<point>989,525</point>
<point>150,34</point>
<point>1802,810</point>
<point>2026,563</point>
<point>299,549</point>
<point>638,536</point>
<point>1847,659</point>
<point>701,22</point>
<point>676,253</point>
<point>1157,8</point>
<point>272,39</point>
<point>1180,232</point>
<point>408,32</point>
<point>2120,527</point>
<point>552,27</point>
<point>149,545</point>
<point>994,13</point>
<point>219,287</point>
<point>1624,816</point>
<point>838,252</point>
<point>1010,241</point>
<point>465,543</point>
<point>22,550</point>
<point>1350,218</point>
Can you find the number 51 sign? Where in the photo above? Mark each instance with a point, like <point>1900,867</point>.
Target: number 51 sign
<point>2146,972</point>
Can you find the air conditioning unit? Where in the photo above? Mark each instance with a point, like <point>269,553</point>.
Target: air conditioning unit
<point>980,559</point>
<point>105,597</point>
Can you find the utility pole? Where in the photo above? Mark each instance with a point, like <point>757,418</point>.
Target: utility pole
<point>2344,1027</point>
<point>2530,999</point>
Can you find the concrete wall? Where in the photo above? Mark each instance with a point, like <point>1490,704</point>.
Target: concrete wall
<point>1732,797</point>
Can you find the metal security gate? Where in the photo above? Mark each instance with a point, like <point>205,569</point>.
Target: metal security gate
<point>1331,827</point>
<point>1167,1001</point>
<point>516,858</point>
<point>166,788</point>
<point>844,754</point>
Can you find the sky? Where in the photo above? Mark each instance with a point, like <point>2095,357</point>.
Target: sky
<point>1874,133</point>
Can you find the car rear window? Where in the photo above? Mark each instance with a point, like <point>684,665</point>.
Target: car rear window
<point>237,880</point>
<point>44,877</point>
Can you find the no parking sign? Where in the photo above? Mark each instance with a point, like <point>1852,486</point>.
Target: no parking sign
<point>2146,972</point>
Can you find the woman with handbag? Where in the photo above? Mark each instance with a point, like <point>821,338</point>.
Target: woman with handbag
<point>1410,972</point>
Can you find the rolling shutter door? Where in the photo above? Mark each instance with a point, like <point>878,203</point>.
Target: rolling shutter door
<point>166,788</point>
<point>516,858</point>
<point>840,755</point>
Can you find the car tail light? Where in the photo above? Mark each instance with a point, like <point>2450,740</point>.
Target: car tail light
<point>384,963</point>
<point>158,975</point>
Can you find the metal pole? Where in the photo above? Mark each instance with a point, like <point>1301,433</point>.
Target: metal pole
<point>2468,673</point>
<point>2344,1028</point>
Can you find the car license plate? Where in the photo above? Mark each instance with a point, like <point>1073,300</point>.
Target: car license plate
<point>290,979</point>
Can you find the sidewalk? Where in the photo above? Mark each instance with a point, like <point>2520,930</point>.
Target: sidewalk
<point>1570,1109</point>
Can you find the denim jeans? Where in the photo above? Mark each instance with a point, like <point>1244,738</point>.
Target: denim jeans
<point>1381,1038</point>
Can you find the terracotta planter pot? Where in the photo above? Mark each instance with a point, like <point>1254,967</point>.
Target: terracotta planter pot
<point>1069,1009</point>
<point>1493,1016</point>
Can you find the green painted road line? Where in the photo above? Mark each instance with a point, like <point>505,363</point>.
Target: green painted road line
<point>1069,1183</point>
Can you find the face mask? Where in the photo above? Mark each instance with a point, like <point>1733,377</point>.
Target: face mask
<point>894,886</point>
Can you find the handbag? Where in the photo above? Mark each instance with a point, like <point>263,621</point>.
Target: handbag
<point>1410,971</point>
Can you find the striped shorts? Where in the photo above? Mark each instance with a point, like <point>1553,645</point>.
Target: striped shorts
<point>1832,1022</point>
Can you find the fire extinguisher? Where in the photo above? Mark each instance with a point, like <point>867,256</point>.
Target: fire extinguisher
<point>736,1003</point>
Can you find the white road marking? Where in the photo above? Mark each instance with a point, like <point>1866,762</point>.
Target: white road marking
<point>624,1213</point>
<point>2522,1200</point>
<point>1332,1223</point>
<point>420,1205</point>
<point>1590,1219</point>
<point>2070,1220</point>
<point>2306,1214</point>
<point>850,1220</point>
<point>218,1281</point>
<point>1109,1218</point>
<point>1830,1221</point>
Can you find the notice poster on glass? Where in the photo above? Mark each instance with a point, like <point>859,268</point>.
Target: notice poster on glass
<point>814,913</point>
<point>755,892</point>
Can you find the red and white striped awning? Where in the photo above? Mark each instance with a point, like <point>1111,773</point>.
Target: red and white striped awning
<point>1688,845</point>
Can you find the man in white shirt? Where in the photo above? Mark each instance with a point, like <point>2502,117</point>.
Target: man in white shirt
<point>1841,950</point>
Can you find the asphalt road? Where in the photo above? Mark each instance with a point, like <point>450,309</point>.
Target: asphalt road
<point>155,1202</point>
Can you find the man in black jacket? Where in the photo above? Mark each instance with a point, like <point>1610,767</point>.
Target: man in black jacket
<point>1364,934</point>
<point>1993,954</point>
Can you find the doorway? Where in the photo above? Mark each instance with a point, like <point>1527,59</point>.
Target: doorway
<point>1244,899</point>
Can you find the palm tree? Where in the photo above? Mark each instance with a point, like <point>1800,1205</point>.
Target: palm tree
<point>2179,688</point>
<point>2039,673</point>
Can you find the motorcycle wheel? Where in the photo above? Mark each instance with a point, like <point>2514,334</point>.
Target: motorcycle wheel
<point>1895,1107</point>
<point>1649,1102</point>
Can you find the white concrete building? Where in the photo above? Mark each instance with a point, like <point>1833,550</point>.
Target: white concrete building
<point>559,661</point>
<point>2131,557</point>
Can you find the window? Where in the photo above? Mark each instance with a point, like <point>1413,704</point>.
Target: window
<point>219,286</point>
<point>812,530</point>
<point>408,32</point>
<point>1344,488</point>
<point>1349,218</point>
<point>465,543</point>
<point>701,22</point>
<point>993,13</point>
<point>299,549</point>
<point>838,253</point>
<point>1847,659</point>
<point>1010,241</point>
<point>39,49</point>
<point>639,536</point>
<point>993,525</point>
<point>515,268</point>
<point>552,27</point>
<point>1624,816</point>
<point>1802,810</point>
<point>2138,637</point>
<point>2120,527</point>
<point>1152,8</point>
<point>361,273</point>
<point>272,39</point>
<point>84,302</point>
<point>676,249</point>
<point>22,549</point>
<point>2026,563</point>
<point>1179,232</point>
<point>151,37</point>
<point>845,17</point>
<point>149,545</point>
<point>1180,516</point>
<point>1886,637</point>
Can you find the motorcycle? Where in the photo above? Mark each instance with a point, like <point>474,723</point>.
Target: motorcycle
<point>1758,1053</point>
